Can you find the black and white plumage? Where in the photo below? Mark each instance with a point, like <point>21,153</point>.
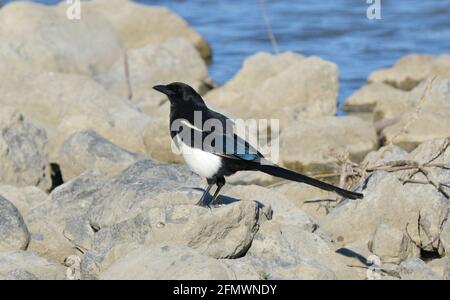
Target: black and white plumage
<point>228,153</point>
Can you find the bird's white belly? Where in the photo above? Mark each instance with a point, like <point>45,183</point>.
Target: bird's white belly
<point>202,163</point>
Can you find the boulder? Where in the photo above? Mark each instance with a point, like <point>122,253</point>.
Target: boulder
<point>414,209</point>
<point>23,151</point>
<point>287,87</point>
<point>441,266</point>
<point>416,269</point>
<point>223,233</point>
<point>312,144</point>
<point>410,70</point>
<point>226,234</point>
<point>14,233</point>
<point>47,240</point>
<point>390,244</point>
<point>167,261</point>
<point>138,25</point>
<point>65,104</point>
<point>88,150</point>
<point>367,98</point>
<point>23,198</point>
<point>287,251</point>
<point>44,38</point>
<point>408,133</point>
<point>26,265</point>
<point>275,205</point>
<point>145,204</point>
<point>309,199</point>
<point>383,155</point>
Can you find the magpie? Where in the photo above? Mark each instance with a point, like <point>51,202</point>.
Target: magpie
<point>227,153</point>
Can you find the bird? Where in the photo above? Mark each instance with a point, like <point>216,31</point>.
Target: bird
<point>227,153</point>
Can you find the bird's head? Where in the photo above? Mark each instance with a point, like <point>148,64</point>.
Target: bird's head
<point>180,94</point>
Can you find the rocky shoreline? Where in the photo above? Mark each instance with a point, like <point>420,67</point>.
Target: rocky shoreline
<point>90,189</point>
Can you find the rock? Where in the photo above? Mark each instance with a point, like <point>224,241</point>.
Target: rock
<point>166,261</point>
<point>138,25</point>
<point>223,233</point>
<point>44,38</point>
<point>19,274</point>
<point>318,141</point>
<point>287,87</point>
<point>309,199</point>
<point>23,198</point>
<point>410,131</point>
<point>410,70</point>
<point>416,269</point>
<point>23,151</point>
<point>88,150</point>
<point>66,211</point>
<point>247,178</point>
<point>445,236</point>
<point>441,266</point>
<point>65,104</point>
<point>26,265</point>
<point>282,209</point>
<point>48,240</point>
<point>14,234</point>
<point>147,203</point>
<point>174,60</point>
<point>390,244</point>
<point>286,251</point>
<point>367,98</point>
<point>402,206</point>
<point>383,155</point>
<point>210,236</point>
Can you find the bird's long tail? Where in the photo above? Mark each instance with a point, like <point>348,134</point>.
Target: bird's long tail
<point>277,171</point>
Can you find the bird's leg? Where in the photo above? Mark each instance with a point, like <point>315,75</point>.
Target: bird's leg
<point>205,194</point>
<point>220,183</point>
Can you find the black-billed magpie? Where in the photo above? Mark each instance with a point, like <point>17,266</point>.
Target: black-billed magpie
<point>225,153</point>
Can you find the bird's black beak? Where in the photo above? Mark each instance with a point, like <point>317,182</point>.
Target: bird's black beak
<point>163,89</point>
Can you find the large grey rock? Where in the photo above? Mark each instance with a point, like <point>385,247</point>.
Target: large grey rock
<point>287,87</point>
<point>167,261</point>
<point>309,199</point>
<point>26,265</point>
<point>417,208</point>
<point>390,244</point>
<point>65,104</point>
<point>14,234</point>
<point>226,232</point>
<point>23,198</point>
<point>427,119</point>
<point>138,25</point>
<point>23,151</point>
<point>441,266</point>
<point>145,204</point>
<point>416,269</point>
<point>288,252</point>
<point>383,155</point>
<point>88,150</point>
<point>367,98</point>
<point>410,70</point>
<point>276,206</point>
<point>317,142</point>
<point>44,38</point>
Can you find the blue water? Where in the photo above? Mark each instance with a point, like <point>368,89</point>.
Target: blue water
<point>337,30</point>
